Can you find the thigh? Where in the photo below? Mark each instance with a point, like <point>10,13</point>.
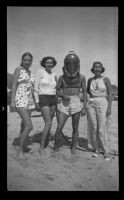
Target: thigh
<point>30,111</point>
<point>92,115</point>
<point>75,120</point>
<point>62,118</point>
<point>46,114</point>
<point>52,110</point>
<point>101,117</point>
<point>24,114</point>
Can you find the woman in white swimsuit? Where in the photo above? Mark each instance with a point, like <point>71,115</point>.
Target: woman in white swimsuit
<point>22,97</point>
<point>45,96</point>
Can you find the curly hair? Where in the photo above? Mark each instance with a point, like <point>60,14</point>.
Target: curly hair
<point>43,61</point>
<point>95,63</point>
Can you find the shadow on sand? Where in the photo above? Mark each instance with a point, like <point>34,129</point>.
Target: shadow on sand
<point>64,141</point>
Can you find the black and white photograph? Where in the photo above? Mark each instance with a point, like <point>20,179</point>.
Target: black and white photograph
<point>62,98</point>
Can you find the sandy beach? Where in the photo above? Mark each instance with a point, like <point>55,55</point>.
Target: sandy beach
<point>62,171</point>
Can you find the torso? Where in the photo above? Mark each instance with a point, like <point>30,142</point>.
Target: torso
<point>71,90</point>
<point>98,87</point>
<point>24,92</point>
<point>47,83</point>
<point>25,80</point>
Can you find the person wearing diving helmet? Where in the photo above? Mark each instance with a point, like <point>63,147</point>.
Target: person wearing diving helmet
<point>68,88</point>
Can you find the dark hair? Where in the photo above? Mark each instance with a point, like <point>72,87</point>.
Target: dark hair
<point>95,63</point>
<point>43,61</point>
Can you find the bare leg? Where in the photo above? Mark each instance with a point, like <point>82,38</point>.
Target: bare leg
<point>62,118</point>
<point>52,112</point>
<point>22,124</point>
<point>21,128</point>
<point>48,122</point>
<point>75,123</point>
<point>28,127</point>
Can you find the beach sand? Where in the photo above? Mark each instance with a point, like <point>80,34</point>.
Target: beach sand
<point>62,171</point>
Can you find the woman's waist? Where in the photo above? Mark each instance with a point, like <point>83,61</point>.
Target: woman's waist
<point>71,92</point>
<point>97,101</point>
<point>72,99</point>
<point>47,92</point>
<point>98,96</point>
<point>24,85</point>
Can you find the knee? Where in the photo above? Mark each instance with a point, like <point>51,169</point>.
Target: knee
<point>94,130</point>
<point>59,128</point>
<point>101,132</point>
<point>75,129</point>
<point>48,124</point>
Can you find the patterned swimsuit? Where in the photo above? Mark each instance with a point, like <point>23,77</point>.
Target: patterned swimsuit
<point>24,93</point>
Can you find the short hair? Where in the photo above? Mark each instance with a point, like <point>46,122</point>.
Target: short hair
<point>95,63</point>
<point>27,54</point>
<point>43,61</point>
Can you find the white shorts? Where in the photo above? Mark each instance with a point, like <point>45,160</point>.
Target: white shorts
<point>73,107</point>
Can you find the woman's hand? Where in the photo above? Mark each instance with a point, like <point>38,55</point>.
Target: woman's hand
<point>66,98</point>
<point>37,107</point>
<point>108,112</point>
<point>83,112</point>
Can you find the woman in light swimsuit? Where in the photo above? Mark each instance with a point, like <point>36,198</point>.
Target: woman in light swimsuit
<point>22,97</point>
<point>99,109</point>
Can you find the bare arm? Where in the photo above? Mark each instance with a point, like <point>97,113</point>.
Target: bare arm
<point>14,86</point>
<point>36,85</point>
<point>56,83</point>
<point>109,92</point>
<point>56,79</point>
<point>60,89</point>
<point>84,90</point>
<point>88,85</point>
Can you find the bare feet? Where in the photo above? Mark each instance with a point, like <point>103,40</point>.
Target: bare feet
<point>73,150</point>
<point>56,149</point>
<point>42,153</point>
<point>95,153</point>
<point>106,157</point>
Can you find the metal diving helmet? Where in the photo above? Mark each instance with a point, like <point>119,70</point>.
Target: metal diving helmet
<point>71,65</point>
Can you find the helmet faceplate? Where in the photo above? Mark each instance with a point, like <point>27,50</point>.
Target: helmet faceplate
<point>71,69</point>
<point>71,64</point>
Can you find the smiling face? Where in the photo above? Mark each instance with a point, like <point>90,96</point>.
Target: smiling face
<point>26,62</point>
<point>97,69</point>
<point>48,65</point>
